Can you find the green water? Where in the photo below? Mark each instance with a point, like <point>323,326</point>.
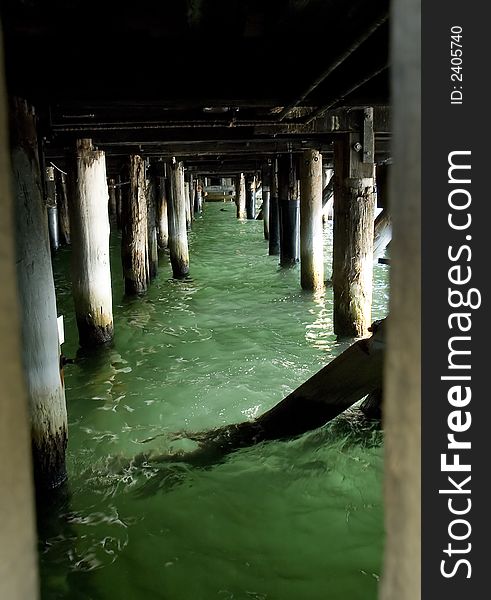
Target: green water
<point>298,520</point>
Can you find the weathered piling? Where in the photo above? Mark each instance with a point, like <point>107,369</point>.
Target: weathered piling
<point>353,233</point>
<point>51,207</point>
<point>192,183</point>
<point>250,197</point>
<point>153,252</point>
<point>178,237</point>
<point>327,193</point>
<point>119,201</point>
<point>266,185</point>
<point>134,244</point>
<point>40,347</point>
<point>63,210</point>
<point>91,271</point>
<point>288,204</point>
<point>274,212</point>
<point>161,202</point>
<point>383,223</point>
<point>111,185</point>
<point>187,204</point>
<point>311,242</point>
<point>382,234</point>
<point>198,197</point>
<point>18,555</point>
<point>240,196</point>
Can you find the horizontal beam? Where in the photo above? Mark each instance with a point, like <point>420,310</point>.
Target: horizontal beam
<point>337,121</point>
<point>197,154</point>
<point>249,147</point>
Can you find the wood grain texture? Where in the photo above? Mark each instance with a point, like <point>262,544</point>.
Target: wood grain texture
<point>18,557</point>
<point>240,196</point>
<point>91,269</point>
<point>162,219</point>
<point>134,242</point>
<point>354,209</point>
<point>37,302</point>
<point>63,210</point>
<point>178,237</point>
<point>311,234</point>
<point>153,252</point>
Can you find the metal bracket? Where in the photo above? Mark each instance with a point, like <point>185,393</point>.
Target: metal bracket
<point>368,140</point>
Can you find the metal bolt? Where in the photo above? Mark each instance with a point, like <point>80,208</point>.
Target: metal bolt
<point>357,146</point>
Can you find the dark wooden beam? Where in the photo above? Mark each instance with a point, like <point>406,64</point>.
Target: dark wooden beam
<point>334,121</point>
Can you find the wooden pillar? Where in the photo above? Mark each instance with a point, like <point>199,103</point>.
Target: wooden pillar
<point>354,208</point>
<point>266,184</point>
<point>198,197</point>
<point>153,252</point>
<point>240,196</point>
<point>250,197</point>
<point>274,212</point>
<point>111,184</point>
<point>194,196</point>
<point>382,232</point>
<point>119,201</point>
<point>18,557</point>
<point>288,203</point>
<point>63,211</point>
<point>187,203</point>
<point>328,193</point>
<point>162,219</point>
<point>311,239</point>
<point>40,348</point>
<point>91,271</point>
<point>178,237</point>
<point>192,183</point>
<point>401,576</point>
<point>52,209</point>
<point>134,245</point>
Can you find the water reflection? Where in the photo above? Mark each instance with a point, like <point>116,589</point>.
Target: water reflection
<point>319,333</point>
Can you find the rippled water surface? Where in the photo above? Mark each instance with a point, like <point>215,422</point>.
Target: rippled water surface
<point>298,520</point>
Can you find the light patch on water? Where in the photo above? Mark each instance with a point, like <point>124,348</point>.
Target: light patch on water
<point>252,413</point>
